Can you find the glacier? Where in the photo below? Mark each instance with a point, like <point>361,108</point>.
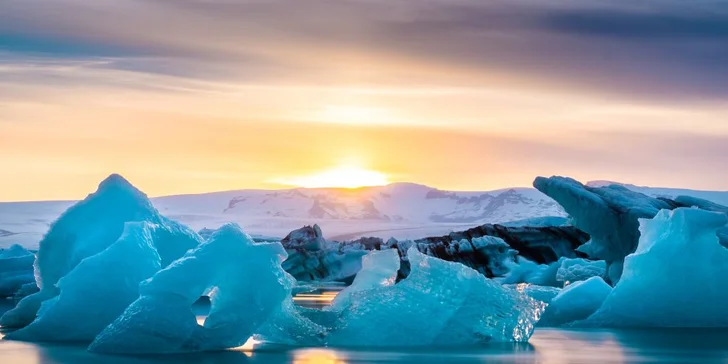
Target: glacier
<point>440,303</point>
<point>16,270</point>
<point>246,284</point>
<point>88,228</point>
<point>675,278</point>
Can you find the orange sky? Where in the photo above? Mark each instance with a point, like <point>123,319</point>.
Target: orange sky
<point>186,100</point>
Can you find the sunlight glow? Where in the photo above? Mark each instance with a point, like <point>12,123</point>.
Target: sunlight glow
<point>339,177</point>
<point>360,115</point>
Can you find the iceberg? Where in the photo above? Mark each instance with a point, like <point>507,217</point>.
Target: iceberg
<point>576,302</point>
<point>675,278</point>
<point>311,257</point>
<point>539,293</point>
<point>526,271</point>
<point>88,228</point>
<point>578,269</point>
<point>96,291</point>
<point>440,303</point>
<point>379,269</point>
<point>609,214</point>
<point>247,285</point>
<point>16,270</point>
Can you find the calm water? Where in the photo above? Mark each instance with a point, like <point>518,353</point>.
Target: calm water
<point>546,346</point>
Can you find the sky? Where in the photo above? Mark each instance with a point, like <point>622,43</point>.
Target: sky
<point>192,96</point>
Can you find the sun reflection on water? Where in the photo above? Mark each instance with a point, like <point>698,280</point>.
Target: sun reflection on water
<point>317,356</point>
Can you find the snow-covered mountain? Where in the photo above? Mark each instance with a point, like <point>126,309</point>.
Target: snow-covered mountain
<point>402,210</point>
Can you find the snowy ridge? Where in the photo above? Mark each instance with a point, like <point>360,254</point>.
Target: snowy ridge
<point>400,210</point>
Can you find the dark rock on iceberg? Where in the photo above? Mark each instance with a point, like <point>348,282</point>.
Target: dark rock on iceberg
<point>487,249</point>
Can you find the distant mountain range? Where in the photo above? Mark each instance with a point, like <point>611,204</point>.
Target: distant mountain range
<point>403,210</point>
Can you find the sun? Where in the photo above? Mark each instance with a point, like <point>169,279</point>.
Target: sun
<point>338,177</point>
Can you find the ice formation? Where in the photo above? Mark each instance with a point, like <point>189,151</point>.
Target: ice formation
<point>539,293</point>
<point>608,214</point>
<point>97,290</point>
<point>578,269</point>
<point>440,303</point>
<point>88,228</point>
<point>247,286</point>
<point>16,270</point>
<point>576,302</point>
<point>526,271</point>
<point>675,278</point>
<point>379,269</point>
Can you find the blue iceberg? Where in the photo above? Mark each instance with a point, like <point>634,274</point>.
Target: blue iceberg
<point>90,227</point>
<point>675,278</point>
<point>246,284</point>
<point>439,303</point>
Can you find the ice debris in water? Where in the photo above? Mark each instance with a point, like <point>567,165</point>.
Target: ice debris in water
<point>247,286</point>
<point>88,228</point>
<point>439,303</point>
<point>677,277</point>
<point>97,290</point>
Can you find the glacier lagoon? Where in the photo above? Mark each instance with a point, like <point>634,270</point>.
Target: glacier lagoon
<point>436,302</point>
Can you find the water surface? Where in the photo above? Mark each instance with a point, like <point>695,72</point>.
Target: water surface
<point>548,345</point>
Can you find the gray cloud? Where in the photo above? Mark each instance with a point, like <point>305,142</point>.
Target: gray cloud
<point>658,49</point>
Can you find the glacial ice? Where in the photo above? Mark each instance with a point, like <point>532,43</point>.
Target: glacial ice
<point>88,228</point>
<point>379,269</point>
<point>576,302</point>
<point>677,277</point>
<point>578,269</point>
<point>16,270</point>
<point>439,303</point>
<point>526,271</point>
<point>97,290</point>
<point>247,286</point>
<point>539,293</point>
<point>608,214</point>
